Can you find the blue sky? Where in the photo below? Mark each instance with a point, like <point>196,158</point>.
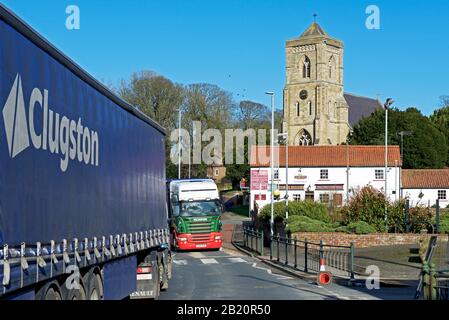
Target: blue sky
<point>239,45</point>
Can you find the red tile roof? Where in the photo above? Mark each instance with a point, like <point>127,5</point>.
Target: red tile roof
<point>327,156</point>
<point>425,178</point>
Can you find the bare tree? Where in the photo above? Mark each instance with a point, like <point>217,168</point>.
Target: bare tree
<point>154,95</point>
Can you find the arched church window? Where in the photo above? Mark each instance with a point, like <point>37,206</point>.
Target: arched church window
<point>335,110</point>
<point>306,67</point>
<point>297,109</point>
<point>331,67</point>
<point>309,104</point>
<point>304,138</point>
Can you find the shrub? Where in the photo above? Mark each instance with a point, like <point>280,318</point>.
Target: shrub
<point>360,227</point>
<point>420,219</point>
<point>444,223</point>
<point>368,205</point>
<point>306,224</point>
<point>313,210</point>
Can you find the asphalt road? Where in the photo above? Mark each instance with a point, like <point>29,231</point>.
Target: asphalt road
<point>228,275</point>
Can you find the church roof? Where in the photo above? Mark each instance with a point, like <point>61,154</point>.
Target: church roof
<point>360,107</point>
<point>327,156</point>
<point>314,30</point>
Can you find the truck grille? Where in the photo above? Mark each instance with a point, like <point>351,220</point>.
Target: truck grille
<point>200,238</point>
<point>200,227</point>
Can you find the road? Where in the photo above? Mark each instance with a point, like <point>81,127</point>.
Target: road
<point>229,275</point>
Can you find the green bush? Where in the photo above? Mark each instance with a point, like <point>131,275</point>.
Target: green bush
<point>306,224</point>
<point>420,219</point>
<point>368,205</point>
<point>360,227</point>
<point>313,210</point>
<point>444,223</point>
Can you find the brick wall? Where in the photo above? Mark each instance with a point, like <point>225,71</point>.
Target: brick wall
<point>361,241</point>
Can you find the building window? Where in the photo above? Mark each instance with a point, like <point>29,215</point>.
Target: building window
<point>379,175</point>
<point>306,68</point>
<point>276,174</point>
<point>324,174</point>
<point>441,194</point>
<point>297,197</point>
<point>297,109</point>
<point>216,172</point>
<point>309,104</point>
<point>324,198</point>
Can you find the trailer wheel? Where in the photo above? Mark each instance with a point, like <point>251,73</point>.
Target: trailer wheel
<point>94,285</point>
<point>74,294</point>
<point>50,291</point>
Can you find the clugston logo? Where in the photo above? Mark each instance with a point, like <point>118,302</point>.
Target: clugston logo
<point>58,135</point>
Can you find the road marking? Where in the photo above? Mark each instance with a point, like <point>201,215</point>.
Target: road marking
<point>196,255</point>
<point>236,260</point>
<point>209,261</point>
<point>180,262</point>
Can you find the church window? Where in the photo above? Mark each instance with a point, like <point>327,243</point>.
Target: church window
<point>297,109</point>
<point>305,138</point>
<point>306,68</point>
<point>331,67</point>
<point>309,104</point>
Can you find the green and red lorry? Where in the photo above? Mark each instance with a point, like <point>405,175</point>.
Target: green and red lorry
<point>195,212</point>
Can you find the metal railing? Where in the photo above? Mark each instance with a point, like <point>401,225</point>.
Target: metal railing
<point>253,240</point>
<point>305,256</point>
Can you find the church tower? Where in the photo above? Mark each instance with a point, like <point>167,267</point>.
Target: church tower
<point>315,110</point>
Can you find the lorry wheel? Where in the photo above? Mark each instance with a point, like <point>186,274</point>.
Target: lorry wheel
<point>50,291</point>
<point>74,294</point>
<point>94,286</point>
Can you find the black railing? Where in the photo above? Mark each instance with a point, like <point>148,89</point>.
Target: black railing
<point>253,240</point>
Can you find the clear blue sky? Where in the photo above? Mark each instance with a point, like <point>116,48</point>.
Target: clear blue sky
<point>239,45</point>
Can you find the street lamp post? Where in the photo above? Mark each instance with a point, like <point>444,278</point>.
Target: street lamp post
<point>179,144</point>
<point>402,134</point>
<point>387,105</point>
<point>272,163</point>
<point>285,135</point>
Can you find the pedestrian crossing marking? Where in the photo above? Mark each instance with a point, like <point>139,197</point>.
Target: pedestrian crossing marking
<point>236,260</point>
<point>209,261</point>
<point>180,262</point>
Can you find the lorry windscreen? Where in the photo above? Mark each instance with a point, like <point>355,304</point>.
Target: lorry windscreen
<point>200,208</point>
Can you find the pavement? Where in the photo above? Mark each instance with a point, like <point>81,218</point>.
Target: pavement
<point>231,274</point>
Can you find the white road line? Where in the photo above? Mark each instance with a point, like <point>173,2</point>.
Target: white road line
<point>236,260</point>
<point>278,276</point>
<point>180,262</point>
<point>209,261</point>
<point>196,255</point>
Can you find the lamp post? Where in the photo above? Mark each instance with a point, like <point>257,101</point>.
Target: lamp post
<point>402,134</point>
<point>348,141</point>
<point>285,135</point>
<point>272,163</point>
<point>387,105</point>
<point>179,144</point>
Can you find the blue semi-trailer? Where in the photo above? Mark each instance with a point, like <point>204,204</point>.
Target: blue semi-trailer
<point>83,213</point>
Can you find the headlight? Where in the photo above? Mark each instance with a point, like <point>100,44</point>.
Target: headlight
<point>217,237</point>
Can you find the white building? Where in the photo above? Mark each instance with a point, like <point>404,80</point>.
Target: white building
<point>324,173</point>
<point>424,187</point>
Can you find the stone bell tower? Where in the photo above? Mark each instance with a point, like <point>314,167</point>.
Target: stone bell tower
<point>315,110</point>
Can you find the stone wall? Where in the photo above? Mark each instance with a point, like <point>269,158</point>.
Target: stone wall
<point>361,241</point>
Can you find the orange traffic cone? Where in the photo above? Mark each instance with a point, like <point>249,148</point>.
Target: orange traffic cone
<point>324,277</point>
